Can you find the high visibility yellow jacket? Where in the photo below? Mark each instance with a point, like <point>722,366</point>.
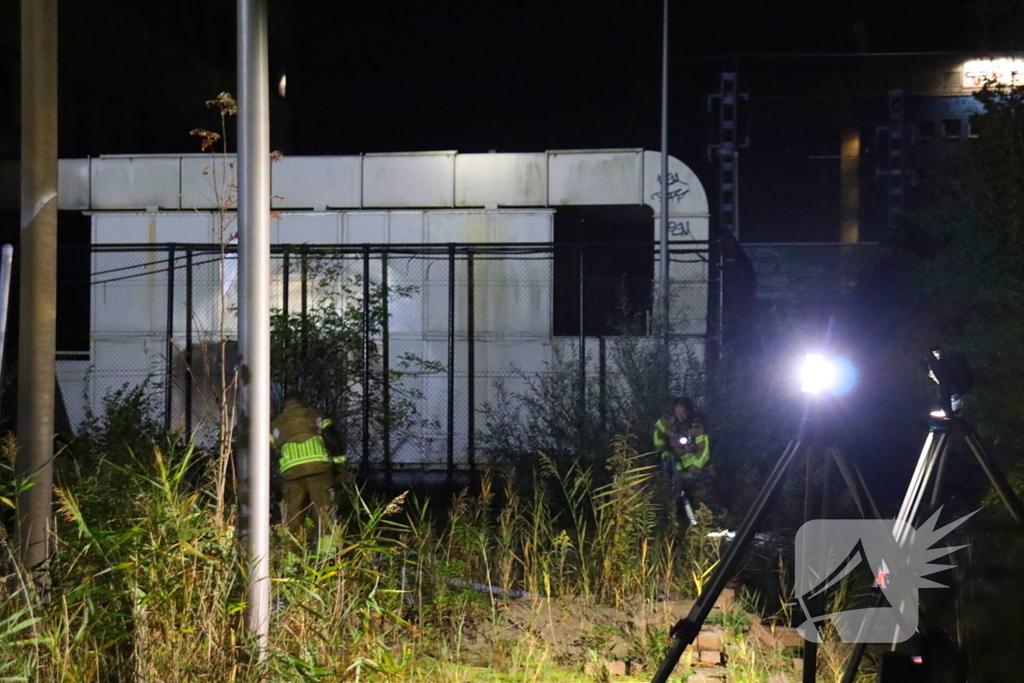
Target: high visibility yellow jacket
<point>298,433</point>
<point>697,451</point>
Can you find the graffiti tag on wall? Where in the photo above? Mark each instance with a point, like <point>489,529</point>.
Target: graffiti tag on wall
<point>677,189</point>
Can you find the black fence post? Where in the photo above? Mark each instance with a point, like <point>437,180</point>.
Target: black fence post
<point>364,463</point>
<point>304,264</point>
<point>451,362</point>
<point>470,363</point>
<point>169,379</point>
<point>188,341</point>
<point>385,364</point>
<point>602,371</point>
<point>285,286</point>
<point>582,407</point>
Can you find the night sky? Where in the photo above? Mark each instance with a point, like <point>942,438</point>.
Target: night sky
<point>533,75</point>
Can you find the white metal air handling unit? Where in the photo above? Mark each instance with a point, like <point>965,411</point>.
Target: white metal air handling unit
<point>412,198</point>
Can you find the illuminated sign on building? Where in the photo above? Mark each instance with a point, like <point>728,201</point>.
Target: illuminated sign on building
<point>1003,71</point>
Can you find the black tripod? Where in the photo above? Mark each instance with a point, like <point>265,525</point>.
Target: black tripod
<point>930,468</point>
<point>687,629</point>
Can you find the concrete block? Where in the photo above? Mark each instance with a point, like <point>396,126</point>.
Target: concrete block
<point>710,639</point>
<point>726,600</point>
<point>787,636</point>
<point>711,657</point>
<point>762,634</point>
<point>617,668</point>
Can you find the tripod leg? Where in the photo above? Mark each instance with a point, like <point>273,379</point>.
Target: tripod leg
<point>852,485</point>
<point>810,672</point>
<point>995,475</point>
<point>685,632</point>
<point>934,445</point>
<point>940,470</point>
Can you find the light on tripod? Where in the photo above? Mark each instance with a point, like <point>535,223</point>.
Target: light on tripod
<point>940,413</point>
<point>820,374</point>
<point>683,440</point>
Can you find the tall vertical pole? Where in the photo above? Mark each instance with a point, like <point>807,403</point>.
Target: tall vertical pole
<point>663,289</point>
<point>254,303</point>
<point>37,340</point>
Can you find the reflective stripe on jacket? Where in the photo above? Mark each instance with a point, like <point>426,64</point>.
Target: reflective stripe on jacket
<point>298,433</point>
<point>666,432</point>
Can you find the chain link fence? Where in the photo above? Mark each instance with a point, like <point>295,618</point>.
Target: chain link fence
<point>407,347</point>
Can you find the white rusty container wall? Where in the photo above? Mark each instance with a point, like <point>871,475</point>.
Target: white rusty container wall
<point>418,198</point>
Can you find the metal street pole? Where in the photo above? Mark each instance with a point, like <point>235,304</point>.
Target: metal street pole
<point>254,303</point>
<point>37,339</point>
<point>663,293</point>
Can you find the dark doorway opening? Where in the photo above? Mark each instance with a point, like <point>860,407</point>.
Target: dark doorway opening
<point>616,247</point>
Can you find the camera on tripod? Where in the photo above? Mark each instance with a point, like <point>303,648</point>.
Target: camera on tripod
<point>953,374</point>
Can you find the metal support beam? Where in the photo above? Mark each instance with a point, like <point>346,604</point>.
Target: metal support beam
<point>6,263</point>
<point>254,302</point>
<point>37,340</point>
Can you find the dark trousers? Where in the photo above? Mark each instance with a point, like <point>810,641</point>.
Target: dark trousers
<point>676,482</point>
<point>310,496</point>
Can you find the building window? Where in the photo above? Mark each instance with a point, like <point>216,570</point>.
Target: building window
<point>926,130</point>
<point>951,129</point>
<point>974,126</point>
<point>617,248</point>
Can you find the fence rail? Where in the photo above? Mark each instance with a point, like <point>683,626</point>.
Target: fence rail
<point>404,344</point>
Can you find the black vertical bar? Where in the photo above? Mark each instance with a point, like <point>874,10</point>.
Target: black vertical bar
<point>169,379</point>
<point>285,277</point>
<point>305,290</point>
<point>582,398</point>
<point>602,369</point>
<point>386,363</point>
<point>364,462</point>
<point>188,342</point>
<point>285,286</point>
<point>451,361</point>
<point>470,363</point>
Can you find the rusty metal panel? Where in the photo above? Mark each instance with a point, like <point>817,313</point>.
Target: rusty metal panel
<point>522,226</point>
<point>424,179</point>
<point>142,228</point>
<point>135,182</point>
<point>306,228</point>
<point>209,180</point>
<point>592,178</point>
<point>73,184</point>
<point>501,180</point>
<point>317,183</point>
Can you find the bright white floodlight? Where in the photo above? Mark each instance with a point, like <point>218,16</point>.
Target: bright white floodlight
<point>818,374</point>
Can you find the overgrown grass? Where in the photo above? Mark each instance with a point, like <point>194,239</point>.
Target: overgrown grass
<point>149,580</point>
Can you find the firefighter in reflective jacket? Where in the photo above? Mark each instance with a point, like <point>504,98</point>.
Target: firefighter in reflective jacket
<point>306,465</point>
<point>682,441</point>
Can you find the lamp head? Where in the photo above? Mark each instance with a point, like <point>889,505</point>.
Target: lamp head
<point>821,374</point>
